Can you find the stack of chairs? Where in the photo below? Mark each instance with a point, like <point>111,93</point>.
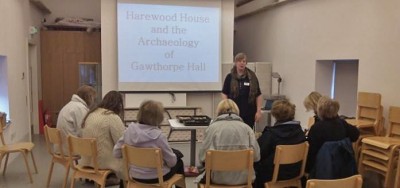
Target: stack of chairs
<point>380,153</point>
<point>369,118</point>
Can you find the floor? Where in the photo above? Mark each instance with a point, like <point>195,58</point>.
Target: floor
<point>16,174</point>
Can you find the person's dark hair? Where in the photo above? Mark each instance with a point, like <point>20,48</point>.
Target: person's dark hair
<point>112,102</point>
<point>283,110</point>
<point>87,94</point>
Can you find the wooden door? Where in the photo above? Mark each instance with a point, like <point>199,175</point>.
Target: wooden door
<point>61,51</point>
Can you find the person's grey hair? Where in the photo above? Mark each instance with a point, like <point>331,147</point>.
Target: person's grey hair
<point>87,93</point>
<point>227,106</point>
<point>311,101</point>
<point>327,108</point>
<point>151,113</point>
<point>240,56</point>
<point>283,110</point>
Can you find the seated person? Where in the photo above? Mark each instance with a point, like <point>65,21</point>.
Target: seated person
<point>70,118</point>
<point>330,129</point>
<point>284,132</point>
<point>311,102</point>
<point>228,132</point>
<point>147,134</point>
<point>105,124</point>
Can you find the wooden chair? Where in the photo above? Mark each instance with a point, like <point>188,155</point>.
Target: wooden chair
<point>369,118</point>
<point>86,147</point>
<point>289,154</point>
<point>54,140</point>
<point>379,154</point>
<point>148,158</point>
<point>229,160</point>
<point>350,182</point>
<point>25,148</point>
<point>369,108</point>
<point>397,183</point>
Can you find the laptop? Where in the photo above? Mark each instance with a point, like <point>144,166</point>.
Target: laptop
<point>268,104</point>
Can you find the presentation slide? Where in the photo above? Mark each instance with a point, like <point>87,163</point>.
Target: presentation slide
<point>169,47</point>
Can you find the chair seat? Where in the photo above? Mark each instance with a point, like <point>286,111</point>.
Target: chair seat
<point>222,186</point>
<point>376,154</point>
<point>17,147</point>
<point>381,142</point>
<point>174,180</point>
<point>374,164</point>
<point>361,123</point>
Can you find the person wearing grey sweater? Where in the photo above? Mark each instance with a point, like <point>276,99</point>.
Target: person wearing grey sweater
<point>147,134</point>
<point>105,125</point>
<point>228,132</point>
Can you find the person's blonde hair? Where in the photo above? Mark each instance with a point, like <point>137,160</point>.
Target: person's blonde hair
<point>240,56</point>
<point>311,101</point>
<point>283,110</point>
<point>151,113</point>
<point>327,108</point>
<point>227,106</point>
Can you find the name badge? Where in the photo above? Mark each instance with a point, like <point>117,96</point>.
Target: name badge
<point>246,84</point>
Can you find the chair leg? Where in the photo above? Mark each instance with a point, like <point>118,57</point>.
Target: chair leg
<point>66,176</point>
<point>5,164</point>
<point>1,159</point>
<point>27,166</point>
<point>34,163</point>
<point>181,183</point>
<point>50,173</point>
<point>72,181</point>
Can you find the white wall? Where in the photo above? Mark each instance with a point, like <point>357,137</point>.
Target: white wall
<point>109,52</point>
<point>295,35</point>
<point>14,20</point>
<point>72,8</point>
<point>34,57</point>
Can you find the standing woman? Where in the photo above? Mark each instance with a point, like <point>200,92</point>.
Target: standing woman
<point>105,124</point>
<point>241,85</point>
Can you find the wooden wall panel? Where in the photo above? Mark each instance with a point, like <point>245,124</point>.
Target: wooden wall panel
<point>61,51</point>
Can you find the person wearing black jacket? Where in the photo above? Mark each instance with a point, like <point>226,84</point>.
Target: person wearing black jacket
<point>284,132</point>
<point>329,128</point>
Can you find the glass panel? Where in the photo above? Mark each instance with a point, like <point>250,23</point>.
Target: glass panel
<point>90,74</point>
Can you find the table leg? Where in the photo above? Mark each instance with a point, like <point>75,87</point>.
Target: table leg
<point>193,147</point>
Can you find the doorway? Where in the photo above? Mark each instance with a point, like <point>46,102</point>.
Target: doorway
<point>339,79</point>
<point>4,104</point>
<point>32,82</point>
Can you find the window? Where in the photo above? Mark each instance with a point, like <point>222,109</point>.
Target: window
<point>4,104</point>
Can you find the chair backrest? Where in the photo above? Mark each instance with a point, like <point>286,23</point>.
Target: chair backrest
<point>84,147</point>
<point>229,160</point>
<point>350,182</point>
<point>369,108</point>
<point>289,154</point>
<point>54,140</point>
<point>143,157</point>
<point>394,121</point>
